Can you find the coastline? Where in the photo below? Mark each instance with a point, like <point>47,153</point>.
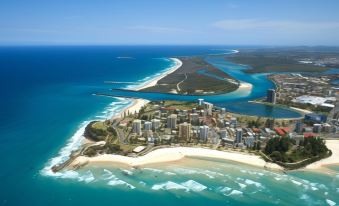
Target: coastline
<point>172,154</point>
<point>152,82</point>
<point>78,138</point>
<point>175,154</point>
<point>333,145</point>
<point>178,153</point>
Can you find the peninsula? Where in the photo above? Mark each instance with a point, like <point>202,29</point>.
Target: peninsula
<point>193,76</point>
<point>150,132</point>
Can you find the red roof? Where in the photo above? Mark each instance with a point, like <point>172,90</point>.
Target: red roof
<point>279,131</point>
<point>256,130</point>
<point>286,129</point>
<point>309,134</point>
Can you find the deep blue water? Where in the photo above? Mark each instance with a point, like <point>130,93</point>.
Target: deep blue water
<point>46,97</point>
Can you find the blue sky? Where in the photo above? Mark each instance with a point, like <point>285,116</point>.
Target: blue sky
<point>227,22</point>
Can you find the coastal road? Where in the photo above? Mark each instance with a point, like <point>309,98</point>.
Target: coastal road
<point>178,85</point>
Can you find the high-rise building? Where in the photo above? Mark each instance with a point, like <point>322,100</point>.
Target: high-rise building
<point>233,121</point>
<point>200,102</point>
<point>172,121</point>
<point>185,131</point>
<point>238,135</point>
<point>203,132</point>
<point>148,126</point>
<point>223,111</point>
<point>136,126</point>
<point>271,96</point>
<point>223,134</point>
<point>249,141</point>
<point>299,127</point>
<point>194,118</point>
<point>208,108</point>
<point>182,118</point>
<point>317,128</point>
<point>155,124</point>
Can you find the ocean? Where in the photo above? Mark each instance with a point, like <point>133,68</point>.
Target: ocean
<point>47,99</point>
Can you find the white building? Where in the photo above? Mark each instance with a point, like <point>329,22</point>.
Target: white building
<point>185,130</point>
<point>208,108</point>
<point>203,132</point>
<point>200,102</point>
<point>148,126</point>
<point>223,134</point>
<point>172,121</point>
<point>155,124</point>
<point>136,126</point>
<point>314,100</point>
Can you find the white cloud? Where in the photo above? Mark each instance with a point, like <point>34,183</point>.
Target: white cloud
<point>275,25</point>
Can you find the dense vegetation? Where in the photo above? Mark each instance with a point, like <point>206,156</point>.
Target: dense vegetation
<point>98,131</point>
<point>284,149</point>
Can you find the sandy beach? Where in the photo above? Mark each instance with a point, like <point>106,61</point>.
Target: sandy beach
<point>139,103</point>
<point>245,86</point>
<point>333,145</point>
<point>304,111</point>
<point>134,107</point>
<point>174,154</point>
<point>154,80</point>
<point>164,155</point>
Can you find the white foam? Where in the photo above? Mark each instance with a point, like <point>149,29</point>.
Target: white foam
<point>128,172</point>
<point>251,182</point>
<point>207,173</point>
<point>87,177</point>
<point>142,183</point>
<point>116,182</point>
<point>225,190</point>
<point>278,178</point>
<point>296,182</point>
<point>73,143</point>
<point>330,202</point>
<point>70,174</point>
<point>314,188</point>
<point>169,185</point>
<point>153,170</point>
<point>322,186</point>
<point>235,192</point>
<point>304,197</point>
<point>107,175</point>
<point>242,186</point>
<point>77,138</point>
<point>194,186</point>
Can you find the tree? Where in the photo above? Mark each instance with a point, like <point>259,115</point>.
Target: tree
<point>276,156</point>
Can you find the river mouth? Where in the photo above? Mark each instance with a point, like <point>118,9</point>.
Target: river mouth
<point>253,86</point>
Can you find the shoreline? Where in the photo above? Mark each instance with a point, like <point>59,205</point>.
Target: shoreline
<point>333,145</point>
<point>172,154</point>
<point>178,153</point>
<point>175,154</point>
<point>152,82</point>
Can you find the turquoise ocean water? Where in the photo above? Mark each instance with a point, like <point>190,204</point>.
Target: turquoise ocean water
<point>46,100</point>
